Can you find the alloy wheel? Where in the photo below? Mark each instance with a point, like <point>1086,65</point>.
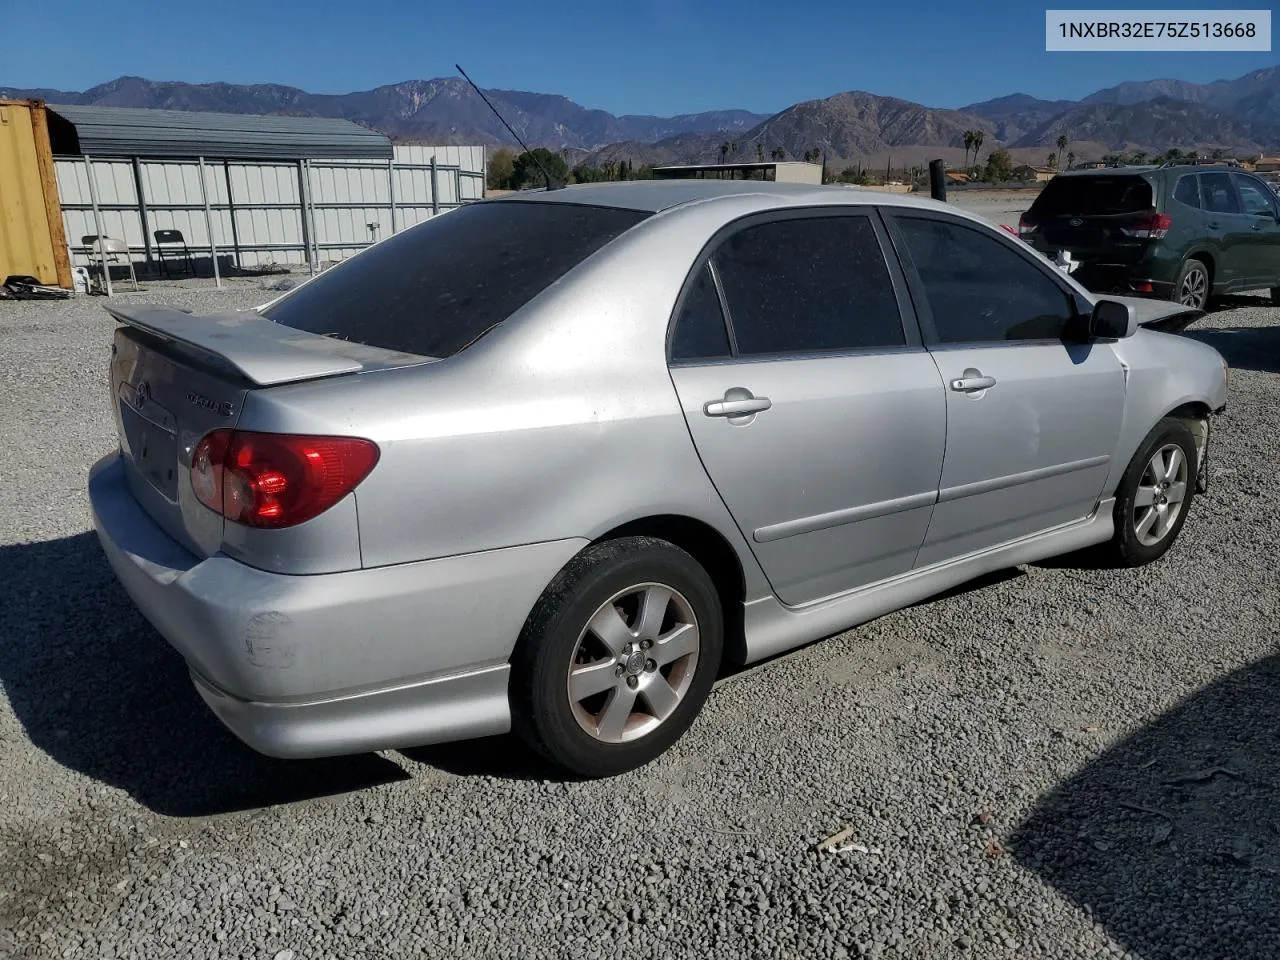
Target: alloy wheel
<point>1161,494</point>
<point>633,663</point>
<point>1194,289</point>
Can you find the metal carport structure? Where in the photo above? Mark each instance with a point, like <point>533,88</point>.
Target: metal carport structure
<point>251,180</point>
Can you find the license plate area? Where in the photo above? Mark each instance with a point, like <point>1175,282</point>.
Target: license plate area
<point>152,447</point>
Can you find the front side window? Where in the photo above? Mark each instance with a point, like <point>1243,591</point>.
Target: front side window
<point>805,285</point>
<point>1219,197</point>
<point>978,289</point>
<point>1254,197</point>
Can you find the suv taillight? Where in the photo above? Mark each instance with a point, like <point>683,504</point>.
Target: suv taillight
<point>1025,225</point>
<point>1153,227</point>
<point>277,479</point>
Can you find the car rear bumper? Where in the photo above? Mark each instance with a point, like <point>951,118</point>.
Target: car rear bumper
<point>332,663</point>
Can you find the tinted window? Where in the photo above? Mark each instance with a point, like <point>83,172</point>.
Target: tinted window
<point>1188,192</point>
<point>796,286</point>
<point>980,290</point>
<point>700,330</point>
<point>435,287</point>
<point>1254,197</point>
<point>1090,195</point>
<point>1218,196</point>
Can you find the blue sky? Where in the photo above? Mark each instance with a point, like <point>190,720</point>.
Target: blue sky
<point>641,56</point>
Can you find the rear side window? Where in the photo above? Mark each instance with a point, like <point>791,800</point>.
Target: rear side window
<point>808,285</point>
<point>434,288</point>
<point>1093,196</point>
<point>700,330</point>
<point>1218,195</point>
<point>978,289</point>
<point>1187,191</point>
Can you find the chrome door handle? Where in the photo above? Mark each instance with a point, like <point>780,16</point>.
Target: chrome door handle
<point>736,408</point>
<point>970,384</point>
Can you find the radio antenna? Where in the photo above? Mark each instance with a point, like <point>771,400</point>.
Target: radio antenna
<point>551,184</point>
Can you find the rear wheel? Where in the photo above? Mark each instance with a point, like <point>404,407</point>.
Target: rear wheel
<point>617,657</point>
<point>1191,289</point>
<point>1154,495</point>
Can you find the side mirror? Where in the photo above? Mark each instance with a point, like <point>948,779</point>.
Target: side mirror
<point>1112,320</point>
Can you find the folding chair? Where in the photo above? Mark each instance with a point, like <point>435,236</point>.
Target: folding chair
<point>176,245</point>
<point>110,250</point>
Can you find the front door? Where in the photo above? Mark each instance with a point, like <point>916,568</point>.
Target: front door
<point>817,413</point>
<point>1032,419</point>
<point>1230,230</point>
<point>1262,242</point>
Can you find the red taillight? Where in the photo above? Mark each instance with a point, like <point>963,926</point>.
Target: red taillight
<point>1025,225</point>
<point>277,479</point>
<point>1154,227</point>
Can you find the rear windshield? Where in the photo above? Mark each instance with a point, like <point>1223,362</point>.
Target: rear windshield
<point>1093,196</point>
<point>437,286</point>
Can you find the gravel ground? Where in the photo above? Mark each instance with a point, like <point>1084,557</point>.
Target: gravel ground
<point>1056,762</point>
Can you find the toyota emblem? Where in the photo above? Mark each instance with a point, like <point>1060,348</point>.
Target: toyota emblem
<point>1076,221</point>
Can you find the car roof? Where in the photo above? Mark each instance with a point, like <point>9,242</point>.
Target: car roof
<point>654,196</point>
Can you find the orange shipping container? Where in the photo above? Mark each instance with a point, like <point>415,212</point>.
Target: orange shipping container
<point>32,240</point>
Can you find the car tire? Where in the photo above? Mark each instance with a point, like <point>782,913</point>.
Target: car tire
<point>635,627</point>
<point>1192,286</point>
<point>1151,509</point>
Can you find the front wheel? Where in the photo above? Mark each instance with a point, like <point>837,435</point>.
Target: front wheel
<point>1154,495</point>
<point>617,657</point>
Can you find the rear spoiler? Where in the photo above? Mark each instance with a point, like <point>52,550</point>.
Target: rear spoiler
<point>260,350</point>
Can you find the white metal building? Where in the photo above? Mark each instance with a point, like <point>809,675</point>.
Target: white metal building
<point>283,190</point>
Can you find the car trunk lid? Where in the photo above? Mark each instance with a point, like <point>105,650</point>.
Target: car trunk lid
<point>176,376</point>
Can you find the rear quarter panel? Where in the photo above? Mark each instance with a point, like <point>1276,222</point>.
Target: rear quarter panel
<point>562,422</point>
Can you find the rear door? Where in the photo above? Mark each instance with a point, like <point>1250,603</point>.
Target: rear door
<point>818,414</point>
<point>1032,420</point>
<point>1262,259</point>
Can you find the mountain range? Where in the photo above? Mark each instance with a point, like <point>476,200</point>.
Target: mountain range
<point>1241,115</point>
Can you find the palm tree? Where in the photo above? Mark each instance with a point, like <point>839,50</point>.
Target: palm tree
<point>978,137</point>
<point>724,151</point>
<point>760,151</point>
<point>1051,161</point>
<point>969,137</point>
<point>1071,160</point>
<point>1063,140</point>
<point>779,153</point>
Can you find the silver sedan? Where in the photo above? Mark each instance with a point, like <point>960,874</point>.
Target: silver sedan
<point>548,462</point>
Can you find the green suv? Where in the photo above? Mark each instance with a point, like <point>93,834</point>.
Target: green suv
<point>1181,231</point>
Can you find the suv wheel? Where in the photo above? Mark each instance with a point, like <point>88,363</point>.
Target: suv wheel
<point>617,657</point>
<point>1191,289</point>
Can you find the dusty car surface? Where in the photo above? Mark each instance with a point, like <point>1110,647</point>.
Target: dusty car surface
<point>547,462</point>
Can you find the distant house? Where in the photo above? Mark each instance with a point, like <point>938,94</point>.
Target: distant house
<point>1039,174</point>
<point>957,177</point>
<point>1267,165</point>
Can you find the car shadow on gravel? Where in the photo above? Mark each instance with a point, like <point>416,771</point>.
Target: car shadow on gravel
<point>1244,348</point>
<point>98,690</point>
<point>1171,839</point>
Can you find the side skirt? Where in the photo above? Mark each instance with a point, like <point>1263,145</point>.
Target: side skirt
<point>772,628</point>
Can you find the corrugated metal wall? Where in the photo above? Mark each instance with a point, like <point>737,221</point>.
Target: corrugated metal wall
<point>257,208</point>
